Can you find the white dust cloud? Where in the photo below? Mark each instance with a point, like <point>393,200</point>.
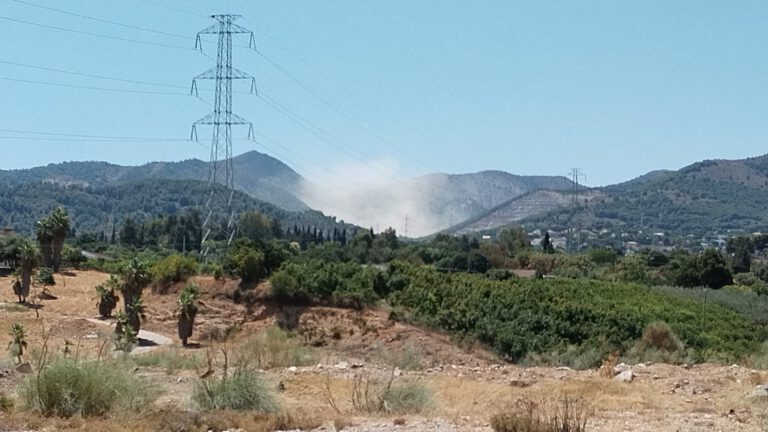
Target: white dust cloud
<point>371,194</point>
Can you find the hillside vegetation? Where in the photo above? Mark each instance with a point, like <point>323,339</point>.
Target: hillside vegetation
<point>705,197</point>
<point>258,175</point>
<point>96,209</point>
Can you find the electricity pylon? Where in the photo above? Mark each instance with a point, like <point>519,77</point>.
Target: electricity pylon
<point>220,170</point>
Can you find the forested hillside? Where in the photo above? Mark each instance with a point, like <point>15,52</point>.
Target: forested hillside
<point>708,196</point>
<point>94,209</point>
<point>256,174</point>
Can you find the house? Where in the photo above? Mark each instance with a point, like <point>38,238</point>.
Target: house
<point>7,232</point>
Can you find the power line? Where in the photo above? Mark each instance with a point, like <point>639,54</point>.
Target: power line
<point>49,69</point>
<point>87,139</point>
<point>102,20</point>
<point>83,136</point>
<point>63,29</point>
<point>54,84</point>
<point>154,3</point>
<point>334,108</point>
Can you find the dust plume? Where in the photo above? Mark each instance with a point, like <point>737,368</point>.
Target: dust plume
<point>373,195</point>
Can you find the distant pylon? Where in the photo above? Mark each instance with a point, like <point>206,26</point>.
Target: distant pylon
<point>220,171</point>
<point>575,174</point>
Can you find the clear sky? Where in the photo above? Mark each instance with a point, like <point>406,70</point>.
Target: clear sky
<point>616,88</point>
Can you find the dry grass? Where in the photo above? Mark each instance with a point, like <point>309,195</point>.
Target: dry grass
<point>372,395</point>
<point>565,414</point>
<point>607,368</point>
<point>165,421</point>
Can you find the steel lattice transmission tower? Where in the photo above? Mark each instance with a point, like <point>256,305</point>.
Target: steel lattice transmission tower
<point>218,205</point>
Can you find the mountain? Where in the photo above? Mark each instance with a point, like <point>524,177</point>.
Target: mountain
<point>471,194</point>
<point>702,198</point>
<point>258,175</point>
<point>94,209</point>
<point>452,198</point>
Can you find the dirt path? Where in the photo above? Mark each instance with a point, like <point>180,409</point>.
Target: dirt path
<point>151,340</point>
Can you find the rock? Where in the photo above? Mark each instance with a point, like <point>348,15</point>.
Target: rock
<point>356,365</point>
<point>397,372</point>
<point>760,391</point>
<point>293,369</point>
<point>621,367</point>
<point>342,365</point>
<point>25,368</point>
<point>626,376</point>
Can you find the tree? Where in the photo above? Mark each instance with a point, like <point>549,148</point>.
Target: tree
<point>546,244</point>
<point>28,261</point>
<point>128,233</point>
<point>187,312</point>
<point>740,251</point>
<point>514,240</point>
<point>107,298</point>
<point>714,269</point>
<point>255,226</point>
<point>18,342</point>
<point>135,278</point>
<point>51,232</point>
<point>247,263</point>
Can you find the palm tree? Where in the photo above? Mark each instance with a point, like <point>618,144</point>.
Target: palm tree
<point>187,311</point>
<point>18,342</point>
<point>28,261</point>
<point>107,297</point>
<point>125,336</point>
<point>135,278</point>
<point>51,232</point>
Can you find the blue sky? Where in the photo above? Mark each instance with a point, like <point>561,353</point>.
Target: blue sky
<point>616,88</point>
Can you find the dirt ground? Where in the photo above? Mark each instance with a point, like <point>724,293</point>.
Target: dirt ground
<point>469,383</point>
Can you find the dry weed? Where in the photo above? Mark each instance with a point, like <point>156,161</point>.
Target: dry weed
<point>607,368</point>
<point>564,414</point>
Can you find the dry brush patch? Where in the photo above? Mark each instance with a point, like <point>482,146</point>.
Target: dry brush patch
<point>563,414</point>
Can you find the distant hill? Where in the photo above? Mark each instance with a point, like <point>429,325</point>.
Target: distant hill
<point>453,198</point>
<point>514,210</point>
<point>712,195</point>
<point>93,209</point>
<point>258,175</point>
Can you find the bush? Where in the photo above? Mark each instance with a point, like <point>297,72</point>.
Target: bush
<point>565,414</point>
<point>337,283</point>
<point>45,276</point>
<point>243,391</point>
<point>245,262</point>
<point>274,348</point>
<point>171,269</point>
<point>69,388</point>
<point>659,343</point>
<point>525,316</point>
<point>391,396</point>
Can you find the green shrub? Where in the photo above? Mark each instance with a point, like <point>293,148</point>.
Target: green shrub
<point>243,391</point>
<point>69,388</point>
<point>246,262</point>
<point>45,276</point>
<point>338,283</point>
<point>525,316</point>
<point>171,269</point>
